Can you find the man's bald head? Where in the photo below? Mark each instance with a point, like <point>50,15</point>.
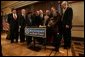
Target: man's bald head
<point>23,11</point>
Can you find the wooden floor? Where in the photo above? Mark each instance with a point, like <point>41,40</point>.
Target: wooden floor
<point>78,47</point>
<point>21,49</point>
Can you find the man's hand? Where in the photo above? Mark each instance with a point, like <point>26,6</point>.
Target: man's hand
<point>19,26</point>
<point>41,26</point>
<point>67,26</point>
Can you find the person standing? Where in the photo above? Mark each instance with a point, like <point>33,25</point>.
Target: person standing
<point>45,23</point>
<point>41,17</point>
<point>46,18</point>
<point>37,19</point>
<point>13,23</point>
<point>67,24</point>
<point>22,24</point>
<point>54,24</point>
<point>29,24</point>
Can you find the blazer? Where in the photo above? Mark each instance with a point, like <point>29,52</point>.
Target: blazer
<point>22,21</point>
<point>11,20</point>
<point>67,17</point>
<point>29,20</point>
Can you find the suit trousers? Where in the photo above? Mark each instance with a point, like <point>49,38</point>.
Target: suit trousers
<point>67,37</point>
<point>14,33</point>
<point>22,35</point>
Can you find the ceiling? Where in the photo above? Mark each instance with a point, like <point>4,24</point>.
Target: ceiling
<point>15,4</point>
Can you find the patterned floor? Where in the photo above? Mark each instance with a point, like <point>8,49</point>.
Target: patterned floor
<point>21,49</point>
<point>78,47</point>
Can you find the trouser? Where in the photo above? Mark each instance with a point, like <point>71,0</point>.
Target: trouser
<point>49,35</point>
<point>57,41</point>
<point>14,34</point>
<point>22,35</point>
<point>67,37</point>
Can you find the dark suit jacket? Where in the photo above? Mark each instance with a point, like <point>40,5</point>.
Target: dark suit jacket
<point>13,23</point>
<point>37,20</point>
<point>28,22</point>
<point>33,19</point>
<point>42,19</point>
<point>22,21</point>
<point>46,23</point>
<point>67,17</point>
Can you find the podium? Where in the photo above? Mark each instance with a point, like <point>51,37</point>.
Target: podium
<point>36,32</point>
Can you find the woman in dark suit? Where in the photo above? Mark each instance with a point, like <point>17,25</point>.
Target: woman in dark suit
<point>54,25</point>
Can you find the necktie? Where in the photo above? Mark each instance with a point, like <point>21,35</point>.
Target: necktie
<point>15,17</point>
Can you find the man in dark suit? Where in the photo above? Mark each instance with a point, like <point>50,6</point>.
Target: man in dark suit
<point>41,14</point>
<point>37,19</point>
<point>33,19</point>
<point>46,18</point>
<point>29,23</point>
<point>41,19</point>
<point>13,22</point>
<point>22,24</point>
<point>67,24</point>
<point>45,21</point>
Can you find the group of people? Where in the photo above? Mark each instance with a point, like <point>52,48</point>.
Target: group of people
<point>58,26</point>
